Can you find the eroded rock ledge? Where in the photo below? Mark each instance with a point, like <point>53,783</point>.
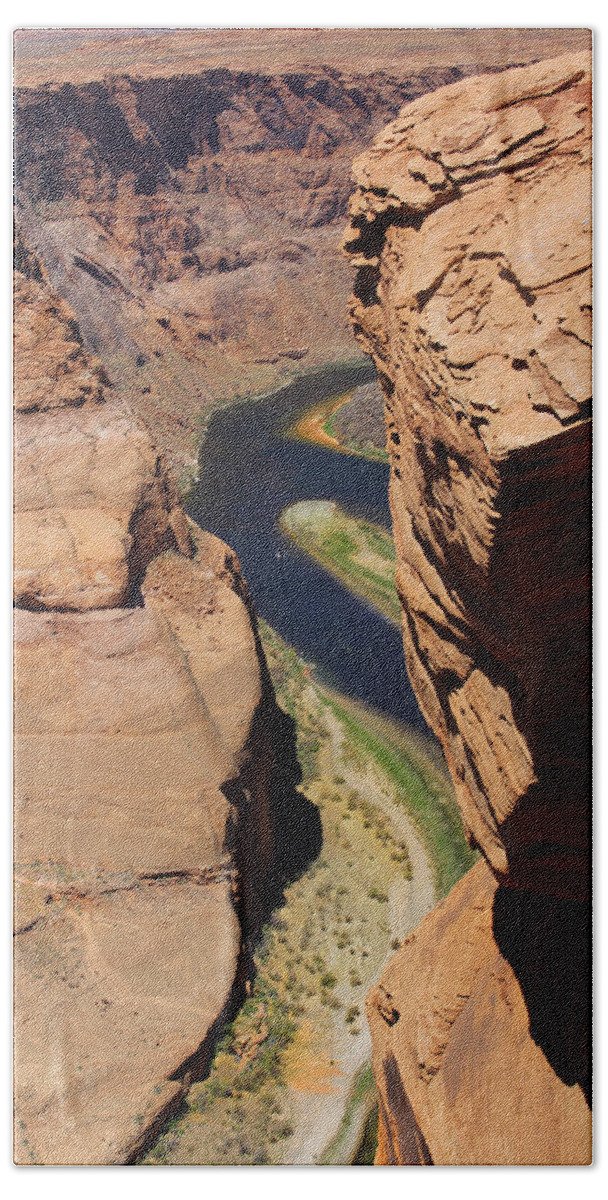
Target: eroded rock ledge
<point>145,827</point>
<point>470,231</point>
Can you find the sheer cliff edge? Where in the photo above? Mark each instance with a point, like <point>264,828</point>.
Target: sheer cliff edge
<point>471,235</point>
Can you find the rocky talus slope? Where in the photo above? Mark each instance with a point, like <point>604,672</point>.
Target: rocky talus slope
<point>145,830</point>
<point>470,231</point>
<point>192,222</point>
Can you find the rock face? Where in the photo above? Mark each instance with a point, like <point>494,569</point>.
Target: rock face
<point>184,218</point>
<point>94,502</point>
<point>470,230</point>
<point>146,816</point>
<point>475,1059</point>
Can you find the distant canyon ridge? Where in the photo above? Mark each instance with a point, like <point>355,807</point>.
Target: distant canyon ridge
<point>192,220</point>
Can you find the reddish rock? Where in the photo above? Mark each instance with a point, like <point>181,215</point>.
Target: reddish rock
<point>473,295</point>
<point>185,212</point>
<point>460,1078</point>
<point>93,500</point>
<point>471,234</point>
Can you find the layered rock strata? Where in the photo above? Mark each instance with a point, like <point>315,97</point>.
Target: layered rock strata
<point>184,217</point>
<point>470,231</point>
<point>144,831</point>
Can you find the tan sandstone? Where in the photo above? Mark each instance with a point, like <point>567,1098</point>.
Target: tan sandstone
<point>471,234</point>
<point>144,835</point>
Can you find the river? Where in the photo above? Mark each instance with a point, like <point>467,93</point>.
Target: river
<point>250,470</point>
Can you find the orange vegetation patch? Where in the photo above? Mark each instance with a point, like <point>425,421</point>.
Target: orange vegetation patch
<point>311,426</point>
<point>307,1067</point>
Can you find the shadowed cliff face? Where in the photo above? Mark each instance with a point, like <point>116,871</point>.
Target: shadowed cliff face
<point>156,780</point>
<point>185,219</point>
<point>470,232</point>
<point>472,240</point>
<point>547,943</point>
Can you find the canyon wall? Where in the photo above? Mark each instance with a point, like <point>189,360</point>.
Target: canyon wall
<point>470,229</point>
<point>192,223</point>
<point>149,781</point>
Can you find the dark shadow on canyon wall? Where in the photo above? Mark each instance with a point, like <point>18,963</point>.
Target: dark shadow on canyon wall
<point>297,823</point>
<point>547,942</point>
<point>278,833</point>
<point>412,1149</point>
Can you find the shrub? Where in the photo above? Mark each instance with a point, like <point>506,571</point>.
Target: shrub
<point>328,980</point>
<point>330,1000</point>
<point>375,894</point>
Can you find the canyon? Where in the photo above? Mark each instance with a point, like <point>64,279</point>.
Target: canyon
<point>151,763</point>
<point>190,213</point>
<point>176,250</point>
<point>470,233</point>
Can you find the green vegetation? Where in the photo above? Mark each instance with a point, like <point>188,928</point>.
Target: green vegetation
<point>292,682</point>
<point>318,956</point>
<point>321,951</point>
<point>362,1099</point>
<point>360,554</point>
<point>368,1145</point>
<point>419,788</point>
<point>236,1115</point>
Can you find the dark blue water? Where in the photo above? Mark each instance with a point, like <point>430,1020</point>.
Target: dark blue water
<point>249,472</point>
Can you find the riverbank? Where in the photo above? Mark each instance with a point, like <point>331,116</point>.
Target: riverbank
<point>359,553</point>
<point>321,425</point>
<point>362,556</point>
<point>294,377</point>
<point>290,1080</point>
<point>418,793</point>
<point>317,424</point>
<point>288,1083</point>
<point>250,472</point>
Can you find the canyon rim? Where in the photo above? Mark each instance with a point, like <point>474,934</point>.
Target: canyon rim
<point>302,393</point>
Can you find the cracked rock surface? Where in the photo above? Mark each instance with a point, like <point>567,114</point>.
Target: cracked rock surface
<point>470,231</point>
<point>142,762</point>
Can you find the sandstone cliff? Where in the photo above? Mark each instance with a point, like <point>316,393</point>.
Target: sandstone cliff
<point>470,231</point>
<point>147,798</point>
<point>185,217</point>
